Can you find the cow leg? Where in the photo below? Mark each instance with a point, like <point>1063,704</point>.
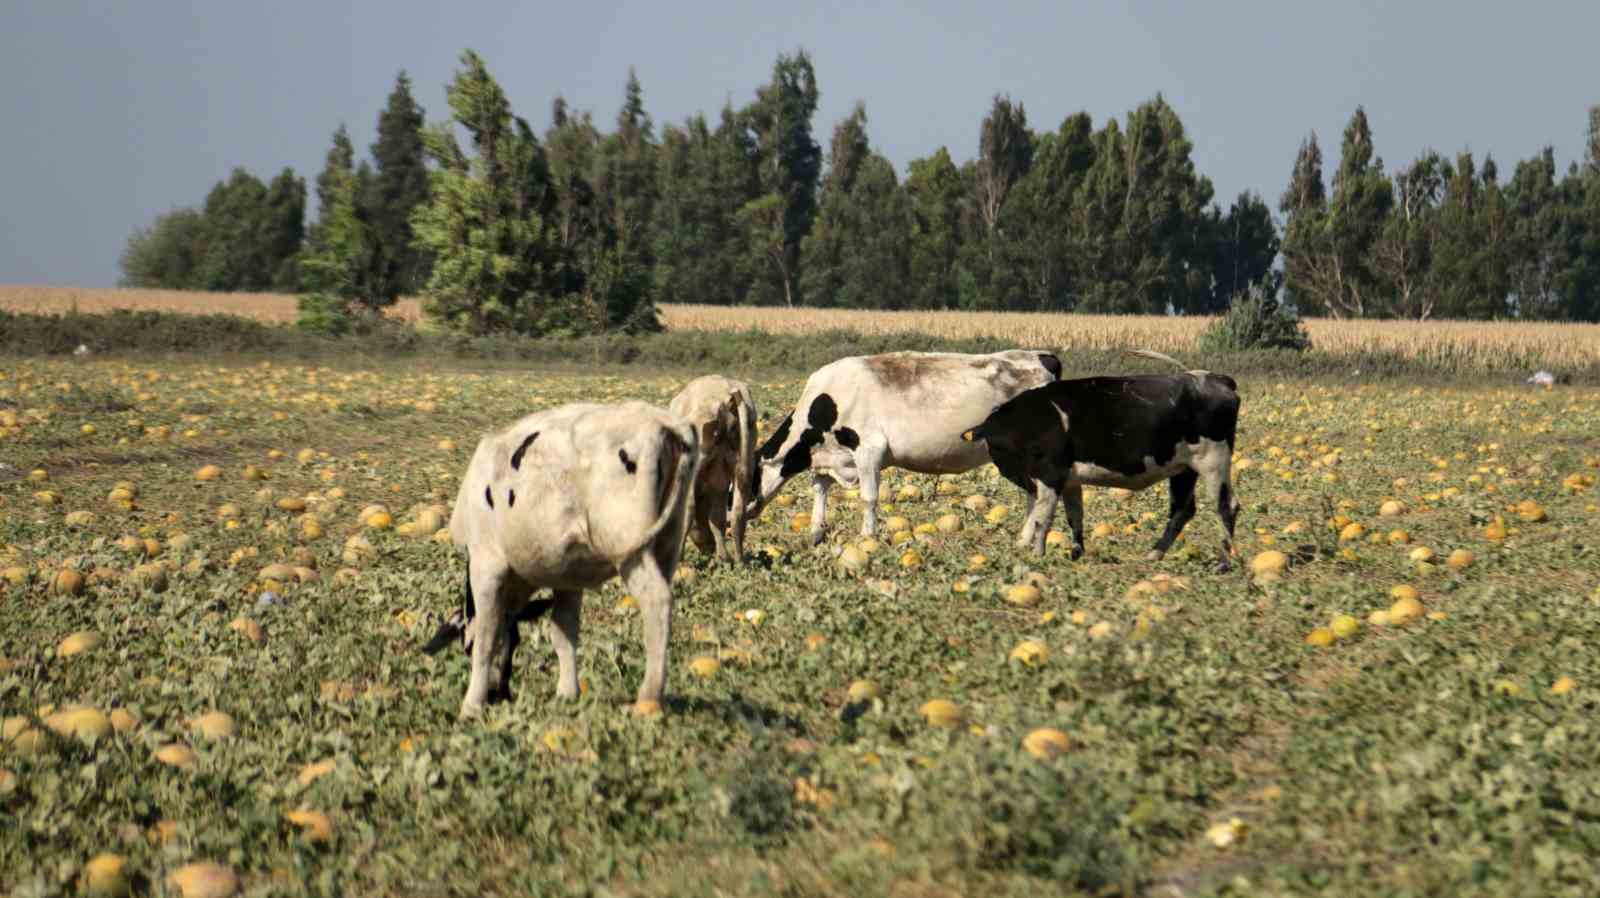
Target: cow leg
<point>1074,496</point>
<point>564,616</point>
<point>869,461</point>
<point>717,512</point>
<point>1213,464</point>
<point>490,641</point>
<point>642,575</point>
<point>819,506</point>
<point>700,529</point>
<point>1032,528</point>
<point>1179,511</point>
<point>739,522</point>
<point>1045,505</point>
<point>1013,472</point>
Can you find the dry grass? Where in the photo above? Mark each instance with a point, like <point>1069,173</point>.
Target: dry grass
<point>276,308</point>
<point>1457,344</point>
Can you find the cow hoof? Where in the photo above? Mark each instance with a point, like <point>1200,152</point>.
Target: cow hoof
<point>816,538</point>
<point>1155,555</point>
<point>471,711</point>
<point>1224,566</point>
<point>646,708</point>
<point>1076,553</point>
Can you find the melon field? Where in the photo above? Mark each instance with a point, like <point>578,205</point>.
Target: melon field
<point>216,576</point>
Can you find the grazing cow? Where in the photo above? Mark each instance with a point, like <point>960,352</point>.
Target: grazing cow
<point>567,499</point>
<point>724,415</point>
<point>1122,432</point>
<point>861,414</point>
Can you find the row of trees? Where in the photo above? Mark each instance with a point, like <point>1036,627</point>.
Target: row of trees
<point>1443,238</point>
<point>247,236</point>
<point>578,229</point>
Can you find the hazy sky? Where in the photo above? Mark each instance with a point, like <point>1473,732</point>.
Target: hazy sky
<point>117,110</point>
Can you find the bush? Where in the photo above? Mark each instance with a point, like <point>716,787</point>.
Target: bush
<point>1255,320</point>
<point>321,313</point>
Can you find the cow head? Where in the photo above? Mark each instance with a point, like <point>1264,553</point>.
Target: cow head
<point>791,450</point>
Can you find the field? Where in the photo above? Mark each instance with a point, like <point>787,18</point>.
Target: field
<point>1448,345</point>
<point>1209,749</point>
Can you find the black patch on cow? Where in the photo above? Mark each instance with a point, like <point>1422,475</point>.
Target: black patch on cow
<point>798,458</point>
<point>824,413</point>
<point>627,462</point>
<point>488,496</point>
<point>847,438</point>
<point>1051,364</point>
<point>770,448</point>
<point>511,498</point>
<point>516,457</point>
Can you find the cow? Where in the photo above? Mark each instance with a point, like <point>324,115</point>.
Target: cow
<point>1127,432</point>
<point>907,410</point>
<point>724,415</point>
<point>566,499</point>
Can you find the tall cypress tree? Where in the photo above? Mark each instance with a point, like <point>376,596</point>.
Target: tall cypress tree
<point>789,164</point>
<point>822,252</point>
<point>1536,257</point>
<point>399,184</point>
<point>1405,250</point>
<point>1044,243</point>
<point>936,194</point>
<point>283,228</point>
<point>1361,199</point>
<point>1244,243</point>
<point>485,222</point>
<point>624,181</point>
<point>1305,244</point>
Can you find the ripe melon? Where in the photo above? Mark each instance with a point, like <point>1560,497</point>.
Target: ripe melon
<point>942,713</point>
<point>103,876</point>
<point>1046,743</point>
<point>1030,652</point>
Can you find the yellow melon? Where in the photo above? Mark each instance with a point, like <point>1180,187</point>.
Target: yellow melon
<point>1046,743</point>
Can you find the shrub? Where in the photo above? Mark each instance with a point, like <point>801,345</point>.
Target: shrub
<point>1255,320</point>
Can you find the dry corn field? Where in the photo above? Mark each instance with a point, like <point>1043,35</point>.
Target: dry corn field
<point>1458,344</point>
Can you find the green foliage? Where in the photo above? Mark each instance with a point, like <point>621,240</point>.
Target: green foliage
<point>485,222</point>
<point>343,262</point>
<point>858,252</point>
<point>1255,320</point>
<point>704,177</point>
<point>245,238</point>
<point>935,192</point>
<point>788,165</point>
<point>167,253</point>
<point>398,186</point>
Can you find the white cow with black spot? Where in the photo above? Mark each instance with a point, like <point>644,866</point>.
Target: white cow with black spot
<point>861,414</point>
<point>566,499</point>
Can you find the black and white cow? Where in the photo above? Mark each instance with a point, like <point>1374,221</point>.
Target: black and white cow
<point>566,499</point>
<point>861,414</point>
<point>1127,432</point>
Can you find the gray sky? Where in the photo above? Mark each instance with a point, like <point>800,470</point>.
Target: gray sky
<point>118,110</point>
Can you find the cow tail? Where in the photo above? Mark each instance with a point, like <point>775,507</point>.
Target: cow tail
<point>1162,357</point>
<point>744,469</point>
<point>686,443</point>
